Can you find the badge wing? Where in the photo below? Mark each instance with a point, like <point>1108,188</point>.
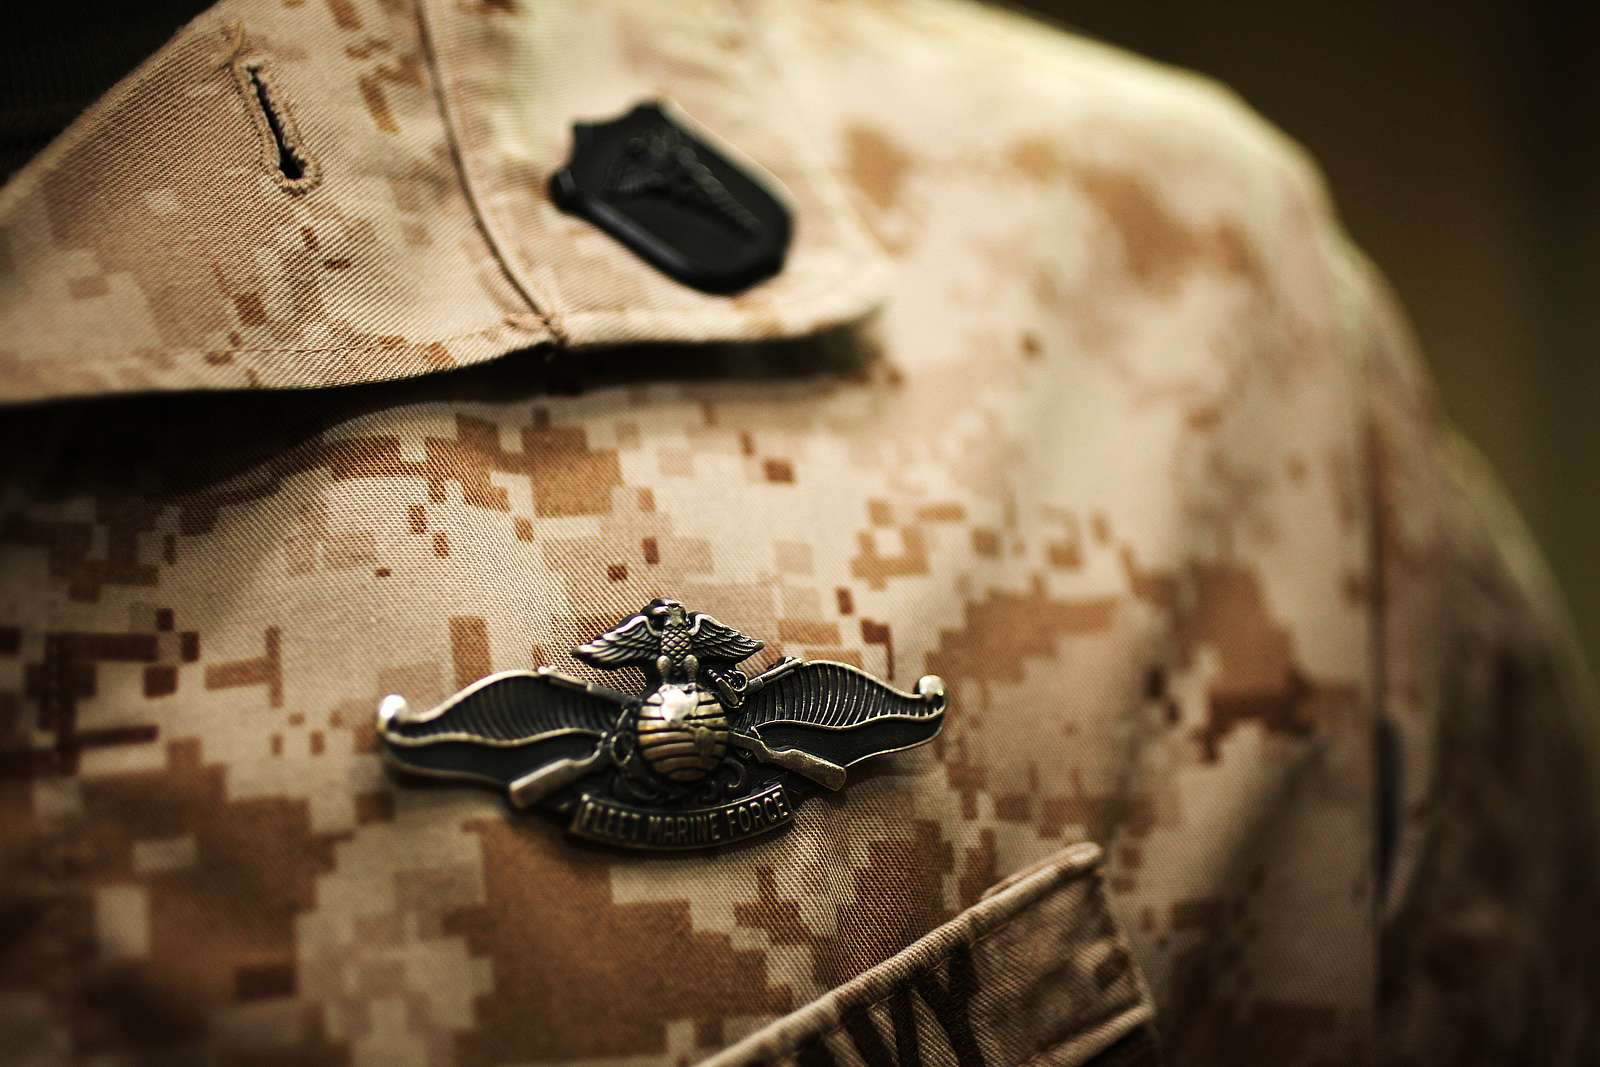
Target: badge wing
<point>530,731</point>
<point>630,644</point>
<point>821,718</point>
<point>716,642</point>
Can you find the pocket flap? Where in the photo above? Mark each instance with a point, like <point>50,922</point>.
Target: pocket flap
<point>1038,972</point>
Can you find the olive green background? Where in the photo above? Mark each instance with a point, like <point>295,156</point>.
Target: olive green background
<point>1461,144</point>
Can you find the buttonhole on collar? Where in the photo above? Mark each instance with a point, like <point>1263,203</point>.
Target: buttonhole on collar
<point>283,151</point>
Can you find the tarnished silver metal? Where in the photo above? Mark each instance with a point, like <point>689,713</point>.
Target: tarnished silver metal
<point>703,757</point>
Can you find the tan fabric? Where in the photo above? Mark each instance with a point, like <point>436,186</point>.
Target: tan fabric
<point>1131,452</point>
<point>159,245</point>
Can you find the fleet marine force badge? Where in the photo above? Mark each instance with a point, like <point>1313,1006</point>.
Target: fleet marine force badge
<point>705,756</point>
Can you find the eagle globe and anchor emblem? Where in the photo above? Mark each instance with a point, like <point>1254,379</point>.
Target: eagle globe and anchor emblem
<point>705,756</point>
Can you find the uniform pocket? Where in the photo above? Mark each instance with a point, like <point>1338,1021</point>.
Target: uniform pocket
<point>1037,972</point>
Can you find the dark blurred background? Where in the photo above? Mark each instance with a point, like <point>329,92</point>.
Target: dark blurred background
<point>1461,144</point>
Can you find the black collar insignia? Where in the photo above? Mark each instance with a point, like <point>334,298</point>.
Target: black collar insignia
<point>678,203</point>
<point>703,757</point>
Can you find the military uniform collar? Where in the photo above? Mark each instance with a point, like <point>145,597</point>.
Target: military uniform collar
<point>317,195</point>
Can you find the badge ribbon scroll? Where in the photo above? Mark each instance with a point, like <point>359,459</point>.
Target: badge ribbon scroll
<point>703,757</point>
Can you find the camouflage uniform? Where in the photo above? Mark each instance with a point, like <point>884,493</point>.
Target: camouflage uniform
<point>1263,733</point>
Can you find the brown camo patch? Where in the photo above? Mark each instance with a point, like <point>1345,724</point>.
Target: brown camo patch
<point>602,978</point>
<point>1157,248</point>
<point>202,935</point>
<point>876,164</point>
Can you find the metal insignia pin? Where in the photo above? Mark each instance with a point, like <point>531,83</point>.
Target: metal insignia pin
<point>703,757</point>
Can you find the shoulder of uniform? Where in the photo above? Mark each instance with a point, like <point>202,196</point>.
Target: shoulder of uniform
<point>1143,102</point>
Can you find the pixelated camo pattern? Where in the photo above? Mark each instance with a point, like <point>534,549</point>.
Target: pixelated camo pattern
<point>1262,733</point>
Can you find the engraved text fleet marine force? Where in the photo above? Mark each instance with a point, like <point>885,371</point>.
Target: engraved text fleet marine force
<point>702,758</point>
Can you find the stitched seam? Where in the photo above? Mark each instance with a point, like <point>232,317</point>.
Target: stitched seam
<point>487,334</point>
<point>482,214</point>
<point>805,299</point>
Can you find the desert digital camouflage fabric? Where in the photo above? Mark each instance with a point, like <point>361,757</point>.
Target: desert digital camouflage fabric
<point>1264,744</point>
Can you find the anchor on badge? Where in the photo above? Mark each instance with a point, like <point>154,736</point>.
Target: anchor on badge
<point>701,758</point>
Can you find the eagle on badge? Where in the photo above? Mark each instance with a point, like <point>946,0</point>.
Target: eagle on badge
<point>702,733</point>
